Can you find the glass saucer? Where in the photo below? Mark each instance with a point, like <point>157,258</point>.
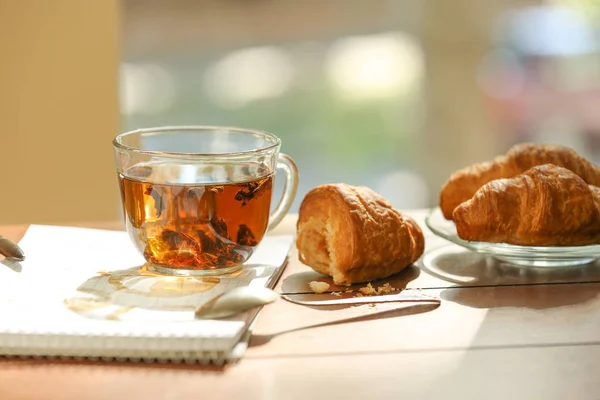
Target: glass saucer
<point>528,256</point>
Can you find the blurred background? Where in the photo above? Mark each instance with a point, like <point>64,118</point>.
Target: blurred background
<point>391,94</point>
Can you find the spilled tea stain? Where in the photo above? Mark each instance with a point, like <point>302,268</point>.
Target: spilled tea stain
<point>235,274</point>
<point>159,286</point>
<point>118,313</point>
<point>111,295</point>
<point>180,287</point>
<point>84,304</point>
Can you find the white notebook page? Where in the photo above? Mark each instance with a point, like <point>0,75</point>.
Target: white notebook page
<point>81,292</point>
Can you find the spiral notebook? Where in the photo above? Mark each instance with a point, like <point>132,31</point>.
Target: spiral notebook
<point>85,293</point>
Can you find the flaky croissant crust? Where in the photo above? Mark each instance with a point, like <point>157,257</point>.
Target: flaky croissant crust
<point>354,235</point>
<point>463,184</point>
<point>545,206</point>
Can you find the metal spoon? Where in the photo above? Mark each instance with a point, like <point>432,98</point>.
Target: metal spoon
<point>10,249</point>
<point>235,301</point>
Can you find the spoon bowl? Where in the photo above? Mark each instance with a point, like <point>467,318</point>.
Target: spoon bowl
<point>236,301</point>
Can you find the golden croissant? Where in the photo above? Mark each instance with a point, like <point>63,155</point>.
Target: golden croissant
<point>354,235</point>
<point>544,206</point>
<point>464,183</point>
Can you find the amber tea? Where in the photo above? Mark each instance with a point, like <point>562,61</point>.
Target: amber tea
<point>210,223</point>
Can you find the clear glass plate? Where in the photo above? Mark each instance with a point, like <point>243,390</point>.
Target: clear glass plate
<point>529,256</point>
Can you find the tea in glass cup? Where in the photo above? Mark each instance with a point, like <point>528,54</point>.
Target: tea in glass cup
<point>197,200</point>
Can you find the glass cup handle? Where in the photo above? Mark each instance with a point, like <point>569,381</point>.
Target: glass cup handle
<point>290,187</point>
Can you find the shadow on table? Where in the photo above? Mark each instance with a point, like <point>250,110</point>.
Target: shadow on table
<point>405,310</point>
<point>299,283</point>
<point>542,296</point>
<point>465,268</point>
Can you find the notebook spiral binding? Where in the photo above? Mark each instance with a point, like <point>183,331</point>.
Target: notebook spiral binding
<point>112,348</point>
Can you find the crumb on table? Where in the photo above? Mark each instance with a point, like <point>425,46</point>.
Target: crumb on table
<point>318,287</point>
<point>368,290</point>
<point>386,288</point>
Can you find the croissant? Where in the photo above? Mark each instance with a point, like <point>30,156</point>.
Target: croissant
<point>464,183</point>
<point>354,235</point>
<point>545,206</point>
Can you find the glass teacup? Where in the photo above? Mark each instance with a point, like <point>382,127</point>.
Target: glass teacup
<point>197,199</point>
